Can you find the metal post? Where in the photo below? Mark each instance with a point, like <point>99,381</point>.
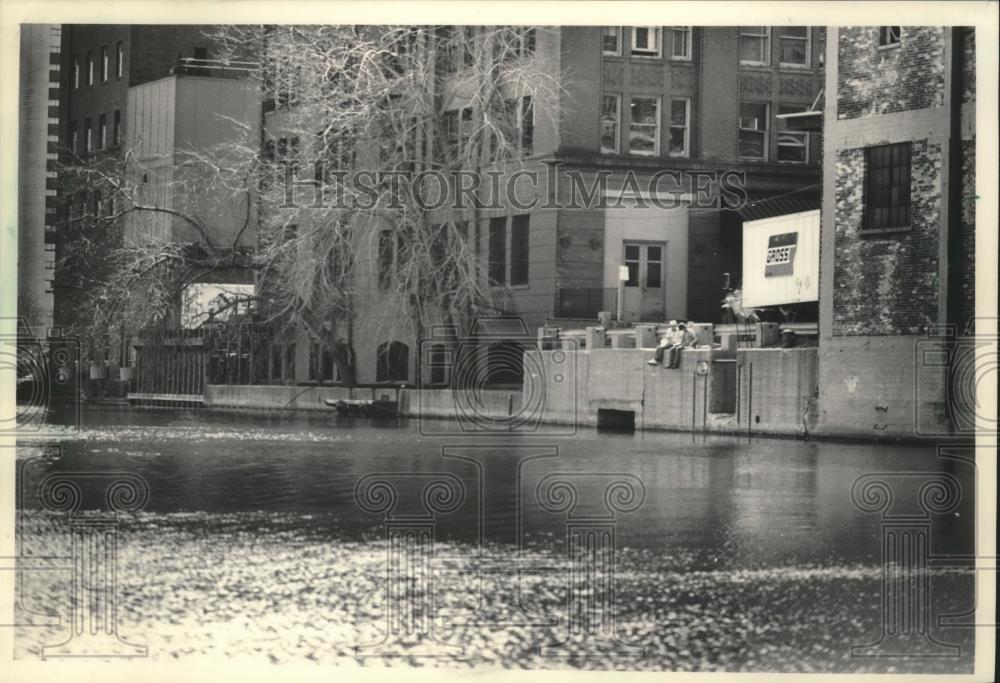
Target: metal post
<point>621,299</point>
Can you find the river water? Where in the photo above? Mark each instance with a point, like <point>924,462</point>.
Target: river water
<point>674,505</point>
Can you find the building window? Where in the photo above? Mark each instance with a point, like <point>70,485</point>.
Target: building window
<point>393,362</point>
<point>437,360</point>
<point>755,45</point>
<point>681,48</point>
<point>465,131</point>
<point>793,42</point>
<point>526,41</point>
<point>76,71</point>
<point>889,36</point>
<point>102,131</point>
<point>527,126</point>
<point>321,365</point>
<point>119,59</point>
<point>793,147</point>
<point>753,131</point>
<point>105,63</point>
<point>646,41</point>
<point>90,68</point>
<point>498,251</point>
<point>610,122</point>
<point>644,126</point>
<point>887,187</point>
<point>654,266</point>
<point>88,139</point>
<point>72,138</point>
<point>632,263</point>
<point>327,368</point>
<point>116,134</point>
<point>385,258</point>
<point>449,49</point>
<point>276,358</point>
<point>519,249</point>
<point>680,133</point>
<point>611,41</point>
<point>290,362</point>
<point>451,135</point>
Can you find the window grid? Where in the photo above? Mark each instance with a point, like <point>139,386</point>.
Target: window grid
<point>610,123</point>
<point>794,43</point>
<point>644,126</point>
<point>680,127</point>
<point>755,45</point>
<point>611,41</point>
<point>647,41</point>
<point>793,146</point>
<point>887,187</point>
<point>753,131</point>
<point>681,48</point>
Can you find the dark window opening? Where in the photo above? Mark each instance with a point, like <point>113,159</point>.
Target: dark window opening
<point>527,126</point>
<point>393,362</point>
<point>632,263</point>
<point>385,243</point>
<point>887,187</point>
<point>438,360</point>
<point>616,420</point>
<point>654,264</point>
<point>519,249</point>
<point>889,35</point>
<point>498,251</point>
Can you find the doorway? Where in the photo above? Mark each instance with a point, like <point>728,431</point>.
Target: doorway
<point>643,297</point>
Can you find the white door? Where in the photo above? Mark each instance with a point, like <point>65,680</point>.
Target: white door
<point>644,292</point>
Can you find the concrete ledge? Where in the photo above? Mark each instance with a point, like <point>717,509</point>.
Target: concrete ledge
<point>274,397</point>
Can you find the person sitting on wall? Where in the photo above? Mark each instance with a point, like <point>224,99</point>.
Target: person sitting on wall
<point>670,339</point>
<point>687,339</point>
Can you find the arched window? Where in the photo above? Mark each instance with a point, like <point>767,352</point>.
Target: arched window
<point>393,362</point>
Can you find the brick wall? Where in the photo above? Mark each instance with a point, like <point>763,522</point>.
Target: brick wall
<point>155,48</point>
<point>968,64</point>
<point>887,284</point>
<point>873,80</point>
<point>966,314</point>
<point>706,255</point>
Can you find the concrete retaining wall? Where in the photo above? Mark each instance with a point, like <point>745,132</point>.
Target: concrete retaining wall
<point>697,395</point>
<point>275,397</point>
<point>778,390</point>
<point>882,387</point>
<point>869,392</point>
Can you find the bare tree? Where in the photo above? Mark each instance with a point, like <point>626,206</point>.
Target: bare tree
<point>360,114</point>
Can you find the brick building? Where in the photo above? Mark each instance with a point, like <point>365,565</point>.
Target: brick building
<point>37,156</point>
<point>898,238</point>
<point>675,105</point>
<point>150,94</point>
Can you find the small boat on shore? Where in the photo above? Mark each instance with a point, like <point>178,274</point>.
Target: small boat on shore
<point>364,407</point>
